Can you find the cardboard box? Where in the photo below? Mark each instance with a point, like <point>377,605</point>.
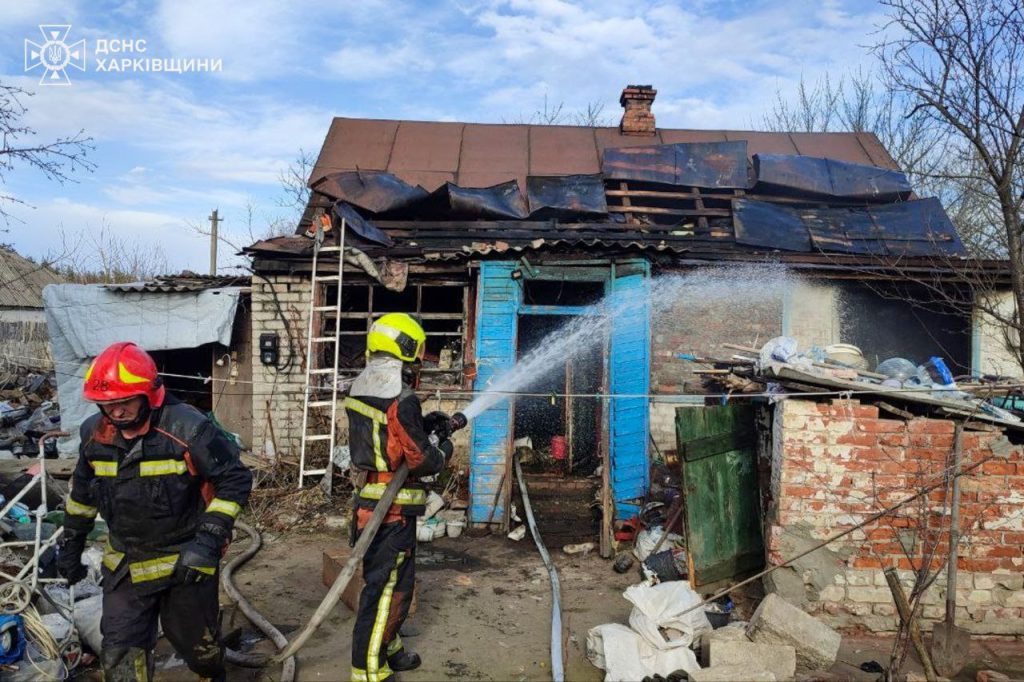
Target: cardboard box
<point>334,562</point>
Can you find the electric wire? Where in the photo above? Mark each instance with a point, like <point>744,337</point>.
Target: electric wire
<point>463,393</point>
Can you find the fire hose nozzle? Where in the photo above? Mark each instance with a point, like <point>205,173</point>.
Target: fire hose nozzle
<point>458,421</point>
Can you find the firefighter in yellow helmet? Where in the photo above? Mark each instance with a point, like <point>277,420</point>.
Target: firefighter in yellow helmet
<point>386,428</point>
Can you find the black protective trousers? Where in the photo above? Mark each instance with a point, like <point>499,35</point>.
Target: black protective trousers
<point>389,569</point>
<point>189,615</point>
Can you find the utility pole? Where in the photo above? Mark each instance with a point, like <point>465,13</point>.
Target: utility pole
<point>214,221</point>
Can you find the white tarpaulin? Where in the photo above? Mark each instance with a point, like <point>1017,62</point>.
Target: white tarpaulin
<point>83,319</point>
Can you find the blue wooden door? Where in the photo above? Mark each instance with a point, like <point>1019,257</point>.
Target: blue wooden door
<point>496,314</point>
<point>629,373</point>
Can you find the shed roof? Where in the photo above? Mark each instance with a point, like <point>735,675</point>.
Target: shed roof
<point>430,153</point>
<point>22,281</point>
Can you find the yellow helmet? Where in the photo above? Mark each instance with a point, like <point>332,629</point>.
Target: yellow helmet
<point>397,334</point>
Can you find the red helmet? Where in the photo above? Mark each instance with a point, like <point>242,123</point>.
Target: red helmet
<point>121,371</point>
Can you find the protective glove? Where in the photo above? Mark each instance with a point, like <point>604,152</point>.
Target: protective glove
<point>69,558</point>
<point>439,424</point>
<point>200,558</point>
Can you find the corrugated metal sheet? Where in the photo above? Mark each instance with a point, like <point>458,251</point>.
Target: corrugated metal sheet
<point>22,281</point>
<point>629,373</point>
<point>497,305</point>
<point>179,283</point>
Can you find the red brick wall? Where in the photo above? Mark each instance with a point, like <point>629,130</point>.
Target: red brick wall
<point>835,464</point>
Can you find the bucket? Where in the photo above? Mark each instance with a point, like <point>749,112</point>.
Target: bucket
<point>558,447</point>
<point>455,527</point>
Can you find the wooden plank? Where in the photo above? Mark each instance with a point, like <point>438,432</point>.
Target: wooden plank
<point>718,443</point>
<point>788,373</point>
<point>714,212</point>
<point>702,221</point>
<point>624,187</point>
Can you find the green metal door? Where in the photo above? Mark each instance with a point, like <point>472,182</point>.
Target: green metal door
<point>723,520</point>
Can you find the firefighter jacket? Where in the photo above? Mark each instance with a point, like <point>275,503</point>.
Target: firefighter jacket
<point>157,490</point>
<point>385,429</point>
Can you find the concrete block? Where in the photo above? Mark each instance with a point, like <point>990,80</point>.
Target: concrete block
<point>872,595</point>
<point>726,634</point>
<point>779,659</point>
<point>778,622</point>
<point>731,673</point>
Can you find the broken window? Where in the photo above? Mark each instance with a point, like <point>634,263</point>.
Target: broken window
<point>441,309</point>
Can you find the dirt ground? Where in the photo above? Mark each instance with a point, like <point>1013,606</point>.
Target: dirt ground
<point>483,614</point>
<point>484,609</point>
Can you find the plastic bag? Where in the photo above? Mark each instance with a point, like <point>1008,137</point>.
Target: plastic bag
<point>662,606</point>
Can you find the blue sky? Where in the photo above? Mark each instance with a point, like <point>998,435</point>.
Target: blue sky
<point>170,147</point>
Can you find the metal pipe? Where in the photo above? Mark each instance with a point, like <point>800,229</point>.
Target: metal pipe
<point>557,670</point>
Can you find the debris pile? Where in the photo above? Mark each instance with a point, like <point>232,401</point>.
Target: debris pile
<point>40,619</point>
<point>27,411</point>
<point>670,637</point>
<point>928,387</point>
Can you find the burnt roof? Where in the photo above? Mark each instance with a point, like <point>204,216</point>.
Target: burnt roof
<point>431,153</point>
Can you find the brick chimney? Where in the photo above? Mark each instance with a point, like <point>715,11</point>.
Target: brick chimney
<point>637,118</point>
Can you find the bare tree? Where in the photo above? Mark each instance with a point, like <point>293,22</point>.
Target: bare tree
<point>57,160</point>
<point>103,257</point>
<point>960,65</point>
<point>295,181</point>
<point>550,114</point>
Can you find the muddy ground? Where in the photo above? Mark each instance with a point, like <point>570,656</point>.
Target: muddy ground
<point>483,614</point>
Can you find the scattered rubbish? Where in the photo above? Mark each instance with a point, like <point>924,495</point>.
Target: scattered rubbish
<point>625,655</point>
<point>623,562</point>
<point>583,548</point>
<point>649,538</point>
<point>12,638</point>
<point>719,612</point>
<point>341,457</point>
<point>846,354</point>
<point>899,369</point>
<point>664,606</point>
<point>872,667</point>
<point>668,564</point>
<point>463,580</point>
<point>517,533</point>
<point>435,503</point>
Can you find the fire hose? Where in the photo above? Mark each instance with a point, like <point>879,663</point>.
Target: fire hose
<point>358,552</point>
<point>257,619</point>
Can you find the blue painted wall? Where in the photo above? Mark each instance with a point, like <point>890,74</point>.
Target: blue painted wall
<point>499,303</point>
<point>629,373</point>
<point>497,306</point>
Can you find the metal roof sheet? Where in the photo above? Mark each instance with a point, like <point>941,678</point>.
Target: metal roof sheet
<point>431,153</point>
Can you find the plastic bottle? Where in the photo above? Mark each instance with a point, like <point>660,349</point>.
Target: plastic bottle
<point>20,513</point>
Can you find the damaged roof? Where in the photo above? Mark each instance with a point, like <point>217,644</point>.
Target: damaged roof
<point>429,153</point>
<point>422,191</point>
<point>168,284</point>
<point>22,280</point>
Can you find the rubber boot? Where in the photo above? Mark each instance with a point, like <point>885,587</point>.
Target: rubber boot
<point>404,660</point>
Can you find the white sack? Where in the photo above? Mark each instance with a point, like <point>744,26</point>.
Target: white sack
<point>662,606</point>
<point>626,657</point>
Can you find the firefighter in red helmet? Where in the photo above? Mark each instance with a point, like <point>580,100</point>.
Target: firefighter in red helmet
<point>169,484</point>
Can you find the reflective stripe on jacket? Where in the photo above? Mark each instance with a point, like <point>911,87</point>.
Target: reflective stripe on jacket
<point>155,491</point>
<point>384,432</point>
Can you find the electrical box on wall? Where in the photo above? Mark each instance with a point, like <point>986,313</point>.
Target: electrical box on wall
<point>269,353</point>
